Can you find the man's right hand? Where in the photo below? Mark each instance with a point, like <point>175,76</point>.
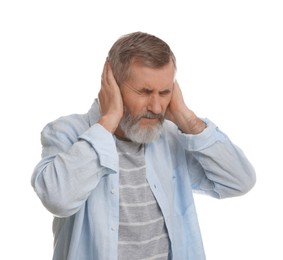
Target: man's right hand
<point>110,99</point>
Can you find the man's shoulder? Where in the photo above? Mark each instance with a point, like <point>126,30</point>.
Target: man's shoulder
<point>74,124</point>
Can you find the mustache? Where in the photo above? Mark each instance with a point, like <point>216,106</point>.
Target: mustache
<point>128,117</point>
<point>151,115</point>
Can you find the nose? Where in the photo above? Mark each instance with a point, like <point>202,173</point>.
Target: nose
<point>154,104</point>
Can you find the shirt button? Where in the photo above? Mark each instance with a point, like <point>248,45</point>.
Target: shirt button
<point>113,228</point>
<point>113,191</point>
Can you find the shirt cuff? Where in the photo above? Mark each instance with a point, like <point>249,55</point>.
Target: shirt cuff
<point>197,142</point>
<point>104,144</point>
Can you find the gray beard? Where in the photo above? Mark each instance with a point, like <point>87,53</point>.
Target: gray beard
<point>142,135</point>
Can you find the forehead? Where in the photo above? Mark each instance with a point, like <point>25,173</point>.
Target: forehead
<point>144,76</point>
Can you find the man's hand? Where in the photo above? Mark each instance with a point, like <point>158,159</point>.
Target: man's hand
<point>181,115</point>
<point>110,99</point>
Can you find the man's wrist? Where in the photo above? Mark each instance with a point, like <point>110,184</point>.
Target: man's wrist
<point>108,123</point>
<point>189,123</point>
<point>193,126</point>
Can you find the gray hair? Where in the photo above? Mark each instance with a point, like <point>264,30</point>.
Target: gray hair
<point>139,47</point>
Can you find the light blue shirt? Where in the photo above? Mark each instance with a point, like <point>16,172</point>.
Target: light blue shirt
<point>78,181</point>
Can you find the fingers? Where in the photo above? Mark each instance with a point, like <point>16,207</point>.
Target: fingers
<point>107,77</point>
<point>177,93</point>
<point>110,99</point>
<point>104,73</point>
<point>176,86</point>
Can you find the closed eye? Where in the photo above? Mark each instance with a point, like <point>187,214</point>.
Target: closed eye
<point>146,91</point>
<point>165,92</point>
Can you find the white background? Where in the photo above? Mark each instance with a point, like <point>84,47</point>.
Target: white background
<point>230,66</point>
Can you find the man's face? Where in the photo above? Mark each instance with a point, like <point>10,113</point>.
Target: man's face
<point>146,96</point>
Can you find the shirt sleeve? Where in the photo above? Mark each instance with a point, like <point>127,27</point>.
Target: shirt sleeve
<point>217,166</point>
<point>72,165</point>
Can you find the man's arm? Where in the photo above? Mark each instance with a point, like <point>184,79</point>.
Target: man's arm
<point>73,163</point>
<point>72,166</point>
<point>217,166</point>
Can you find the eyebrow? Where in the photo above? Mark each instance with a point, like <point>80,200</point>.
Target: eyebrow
<point>149,90</point>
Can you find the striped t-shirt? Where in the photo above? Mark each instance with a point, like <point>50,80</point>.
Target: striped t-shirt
<point>142,230</point>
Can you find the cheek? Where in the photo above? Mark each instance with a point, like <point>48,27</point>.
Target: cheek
<point>135,105</point>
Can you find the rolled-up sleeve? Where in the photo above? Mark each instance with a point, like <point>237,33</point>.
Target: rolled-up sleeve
<point>217,166</point>
<point>72,165</point>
